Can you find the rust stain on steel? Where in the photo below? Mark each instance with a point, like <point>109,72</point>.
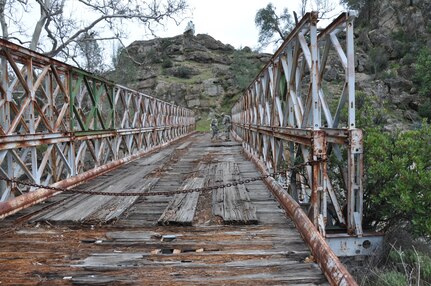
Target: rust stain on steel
<point>21,202</point>
<point>333,269</point>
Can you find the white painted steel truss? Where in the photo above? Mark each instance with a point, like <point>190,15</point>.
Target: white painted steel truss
<point>57,121</point>
<point>289,115</point>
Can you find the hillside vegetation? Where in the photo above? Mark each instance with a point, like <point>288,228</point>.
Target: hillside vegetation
<point>195,71</point>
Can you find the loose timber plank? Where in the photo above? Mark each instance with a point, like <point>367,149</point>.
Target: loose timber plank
<point>81,208</point>
<point>182,207</point>
<point>232,204</point>
<point>115,207</point>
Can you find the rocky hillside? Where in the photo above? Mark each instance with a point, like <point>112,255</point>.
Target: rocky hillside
<point>390,35</point>
<point>196,71</point>
<point>206,75</point>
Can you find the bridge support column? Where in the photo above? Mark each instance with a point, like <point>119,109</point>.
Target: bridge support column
<point>317,211</point>
<point>355,161</point>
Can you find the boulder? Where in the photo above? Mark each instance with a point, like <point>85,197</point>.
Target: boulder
<point>212,87</point>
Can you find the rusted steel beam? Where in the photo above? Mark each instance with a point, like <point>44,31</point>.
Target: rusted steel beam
<point>22,141</point>
<point>334,270</point>
<point>16,204</point>
<point>286,106</point>
<point>57,121</point>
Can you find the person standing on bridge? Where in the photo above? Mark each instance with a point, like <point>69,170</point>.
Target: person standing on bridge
<point>214,128</point>
<point>227,123</point>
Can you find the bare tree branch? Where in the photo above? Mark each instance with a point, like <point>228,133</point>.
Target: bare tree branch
<point>56,33</point>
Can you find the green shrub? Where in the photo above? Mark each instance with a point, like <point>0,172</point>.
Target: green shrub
<point>425,110</point>
<point>398,185</point>
<point>166,62</point>
<point>152,56</point>
<point>423,72</point>
<point>182,72</point>
<point>391,278</point>
<point>203,124</point>
<point>244,69</point>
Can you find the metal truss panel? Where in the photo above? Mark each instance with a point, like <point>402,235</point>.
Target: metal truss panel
<point>289,116</point>
<point>58,122</point>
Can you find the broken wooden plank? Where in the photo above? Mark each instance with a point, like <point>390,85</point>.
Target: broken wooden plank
<point>181,209</point>
<point>233,203</point>
<point>116,206</point>
<point>80,207</point>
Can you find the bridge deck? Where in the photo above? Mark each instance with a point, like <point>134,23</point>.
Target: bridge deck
<point>161,240</point>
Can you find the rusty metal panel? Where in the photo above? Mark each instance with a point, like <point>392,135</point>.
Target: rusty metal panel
<point>57,121</point>
<point>287,116</point>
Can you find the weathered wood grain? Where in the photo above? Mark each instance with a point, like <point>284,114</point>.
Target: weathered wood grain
<point>182,207</point>
<point>131,251</point>
<point>233,203</point>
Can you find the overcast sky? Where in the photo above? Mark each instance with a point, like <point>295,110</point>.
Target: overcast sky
<point>229,21</point>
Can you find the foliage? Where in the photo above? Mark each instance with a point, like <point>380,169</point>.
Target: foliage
<point>152,57</point>
<point>398,177</point>
<point>203,124</point>
<point>354,4</point>
<point>273,28</point>
<point>412,261</point>
<point>403,267</point>
<point>244,68</point>
<point>425,109</point>
<point>393,278</point>
<point>397,189</point>
<point>423,72</point>
<point>324,7</point>
<point>182,72</point>
<point>91,53</point>
<point>166,62</point>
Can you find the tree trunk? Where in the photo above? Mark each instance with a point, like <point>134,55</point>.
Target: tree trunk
<point>40,23</point>
<point>4,27</point>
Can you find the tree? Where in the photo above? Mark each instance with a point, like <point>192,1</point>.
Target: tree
<point>273,28</point>
<point>63,25</point>
<point>91,53</point>
<point>324,7</point>
<point>366,8</point>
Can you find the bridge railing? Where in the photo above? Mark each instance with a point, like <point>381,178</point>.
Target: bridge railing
<point>289,115</point>
<point>58,122</point>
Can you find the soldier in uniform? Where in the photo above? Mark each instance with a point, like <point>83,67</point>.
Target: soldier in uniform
<point>214,128</point>
<point>227,123</point>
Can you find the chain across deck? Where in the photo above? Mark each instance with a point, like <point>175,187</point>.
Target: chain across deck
<point>170,193</point>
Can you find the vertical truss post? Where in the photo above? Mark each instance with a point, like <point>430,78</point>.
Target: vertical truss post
<point>350,67</point>
<point>315,82</point>
<point>355,187</point>
<point>318,198</point>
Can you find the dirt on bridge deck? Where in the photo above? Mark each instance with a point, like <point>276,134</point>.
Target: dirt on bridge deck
<point>236,236</point>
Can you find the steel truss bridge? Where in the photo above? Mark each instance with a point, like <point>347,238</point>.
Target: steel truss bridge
<point>61,127</point>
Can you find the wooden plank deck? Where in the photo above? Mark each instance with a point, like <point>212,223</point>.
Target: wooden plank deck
<point>95,240</point>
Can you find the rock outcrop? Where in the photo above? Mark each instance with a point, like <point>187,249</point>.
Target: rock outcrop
<point>204,74</point>
<point>198,72</point>
<point>390,35</point>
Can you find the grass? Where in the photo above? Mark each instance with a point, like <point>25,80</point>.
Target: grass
<point>203,75</point>
<point>203,124</point>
